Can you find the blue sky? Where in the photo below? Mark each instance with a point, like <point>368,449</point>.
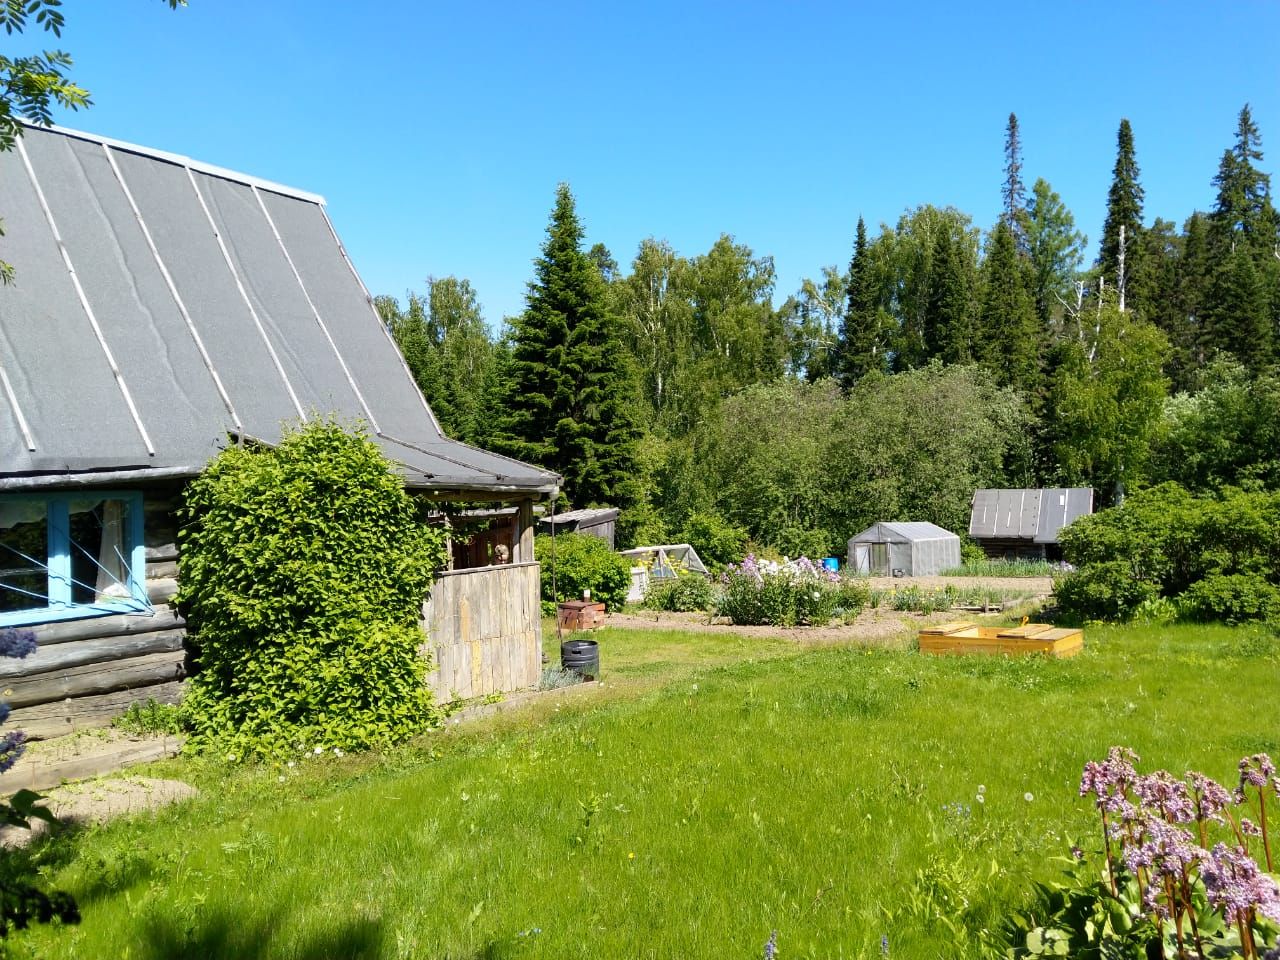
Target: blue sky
<point>437,132</point>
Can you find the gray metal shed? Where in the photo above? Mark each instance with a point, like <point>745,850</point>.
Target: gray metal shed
<point>916,549</point>
<point>1025,523</point>
<point>599,522</point>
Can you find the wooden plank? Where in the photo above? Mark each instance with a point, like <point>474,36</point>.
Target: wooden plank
<point>1062,633</point>
<point>943,628</point>
<point>42,776</point>
<point>162,569</point>
<point>164,617</point>
<point>161,551</point>
<point>1011,646</point>
<point>66,716</point>
<point>80,652</point>
<point>162,590</point>
<point>1026,630</point>
<point>95,678</point>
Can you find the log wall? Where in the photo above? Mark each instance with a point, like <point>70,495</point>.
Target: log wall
<point>84,672</point>
<point>484,631</point>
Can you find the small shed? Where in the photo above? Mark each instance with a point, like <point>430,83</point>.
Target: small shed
<point>593,521</point>
<point>915,549</point>
<point>1024,524</point>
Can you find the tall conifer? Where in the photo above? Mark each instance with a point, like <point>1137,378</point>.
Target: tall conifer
<point>1124,209</point>
<point>859,348</point>
<point>1014,192</point>
<point>570,399</point>
<point>1009,329</point>
<point>948,313</point>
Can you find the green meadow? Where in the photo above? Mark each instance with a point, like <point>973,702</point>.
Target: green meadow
<point>712,790</point>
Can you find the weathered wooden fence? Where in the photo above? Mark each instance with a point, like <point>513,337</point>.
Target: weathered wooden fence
<point>484,631</point>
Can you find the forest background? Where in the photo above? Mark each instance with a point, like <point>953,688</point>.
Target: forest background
<point>945,356</point>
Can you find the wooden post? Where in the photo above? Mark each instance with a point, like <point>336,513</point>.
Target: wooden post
<point>524,533</point>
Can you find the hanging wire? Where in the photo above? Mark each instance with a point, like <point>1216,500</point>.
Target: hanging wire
<point>555,590</point>
<point>139,598</point>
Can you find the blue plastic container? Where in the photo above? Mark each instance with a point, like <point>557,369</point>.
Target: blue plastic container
<point>831,563</point>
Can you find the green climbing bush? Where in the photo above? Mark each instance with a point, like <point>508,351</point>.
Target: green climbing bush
<point>576,562</point>
<point>303,572</point>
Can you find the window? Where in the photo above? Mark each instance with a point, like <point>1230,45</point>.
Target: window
<point>71,555</point>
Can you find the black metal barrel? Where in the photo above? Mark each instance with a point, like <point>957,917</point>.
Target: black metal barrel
<point>582,657</point>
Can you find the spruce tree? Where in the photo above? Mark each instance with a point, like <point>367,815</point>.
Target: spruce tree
<point>1239,315</point>
<point>949,311</point>
<point>1014,192</point>
<point>1244,207</point>
<point>859,349</point>
<point>1244,303</point>
<point>1124,210</point>
<point>1008,327</point>
<point>569,400</point>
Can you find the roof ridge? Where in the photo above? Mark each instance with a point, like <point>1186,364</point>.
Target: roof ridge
<point>198,166</point>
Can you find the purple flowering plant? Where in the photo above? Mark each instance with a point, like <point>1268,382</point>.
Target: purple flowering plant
<point>790,593</point>
<point>1184,867</point>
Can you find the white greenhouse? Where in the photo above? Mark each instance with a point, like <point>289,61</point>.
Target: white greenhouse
<point>915,549</point>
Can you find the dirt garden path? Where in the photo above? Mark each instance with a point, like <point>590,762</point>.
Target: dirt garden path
<point>879,625</point>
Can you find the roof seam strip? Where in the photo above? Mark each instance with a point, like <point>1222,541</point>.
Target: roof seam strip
<point>17,411</point>
<point>404,365</point>
<point>446,459</point>
<point>84,301</point>
<point>173,289</point>
<point>244,294</point>
<point>314,311</point>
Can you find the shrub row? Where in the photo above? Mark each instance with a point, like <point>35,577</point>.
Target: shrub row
<point>1215,557</point>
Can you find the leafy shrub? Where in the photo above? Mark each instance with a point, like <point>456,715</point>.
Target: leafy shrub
<point>1103,591</point>
<point>851,597</point>
<point>718,542</point>
<point>682,594</point>
<point>797,541</point>
<point>1231,598</point>
<point>1180,547</point>
<point>150,717</point>
<point>575,562</point>
<point>970,552</point>
<point>304,568</point>
<point>762,593</point>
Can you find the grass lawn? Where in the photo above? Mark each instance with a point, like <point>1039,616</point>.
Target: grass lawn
<point>714,790</point>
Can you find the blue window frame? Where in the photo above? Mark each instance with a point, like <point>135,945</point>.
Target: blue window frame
<point>68,555</point>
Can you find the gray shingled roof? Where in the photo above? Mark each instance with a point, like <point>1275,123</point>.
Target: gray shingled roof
<point>1034,515</point>
<point>160,304</point>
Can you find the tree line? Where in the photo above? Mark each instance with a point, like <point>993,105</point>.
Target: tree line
<point>944,356</point>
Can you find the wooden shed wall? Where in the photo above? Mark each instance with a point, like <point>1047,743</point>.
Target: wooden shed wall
<point>484,631</point>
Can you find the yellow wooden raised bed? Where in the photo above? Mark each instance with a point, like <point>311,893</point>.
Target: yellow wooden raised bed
<point>965,637</point>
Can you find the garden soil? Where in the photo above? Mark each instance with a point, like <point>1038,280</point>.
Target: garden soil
<point>877,626</point>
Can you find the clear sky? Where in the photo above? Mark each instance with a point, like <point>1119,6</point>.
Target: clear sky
<point>437,132</point>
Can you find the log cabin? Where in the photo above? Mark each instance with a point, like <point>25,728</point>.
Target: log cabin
<point>162,308</point>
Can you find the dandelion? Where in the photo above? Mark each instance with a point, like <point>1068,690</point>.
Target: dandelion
<point>1028,796</point>
<point>982,788</point>
<point>337,752</point>
<point>980,798</point>
<point>281,778</point>
<point>631,855</point>
<point>318,750</point>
